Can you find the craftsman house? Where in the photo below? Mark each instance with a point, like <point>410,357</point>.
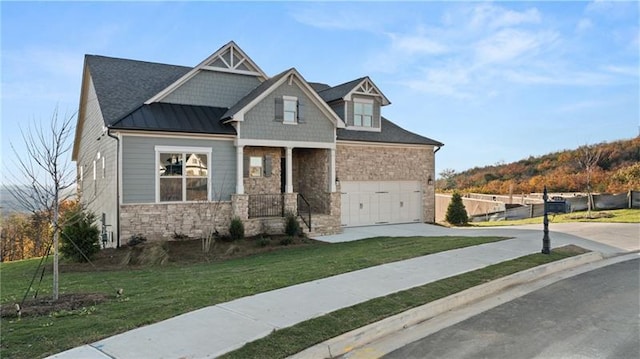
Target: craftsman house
<point>163,150</point>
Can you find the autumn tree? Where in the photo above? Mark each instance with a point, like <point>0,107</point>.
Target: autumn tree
<point>588,157</point>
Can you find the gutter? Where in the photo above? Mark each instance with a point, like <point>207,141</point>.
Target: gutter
<point>117,186</point>
<point>437,149</point>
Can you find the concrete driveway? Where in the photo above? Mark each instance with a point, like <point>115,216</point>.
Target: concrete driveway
<point>604,237</point>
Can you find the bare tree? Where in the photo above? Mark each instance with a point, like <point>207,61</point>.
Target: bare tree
<point>446,181</point>
<point>588,157</point>
<point>44,174</point>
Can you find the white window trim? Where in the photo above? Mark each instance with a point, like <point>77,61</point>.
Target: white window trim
<point>371,128</point>
<point>295,117</point>
<point>104,167</point>
<point>261,166</point>
<point>184,150</point>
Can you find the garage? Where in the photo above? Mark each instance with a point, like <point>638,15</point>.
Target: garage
<point>380,202</point>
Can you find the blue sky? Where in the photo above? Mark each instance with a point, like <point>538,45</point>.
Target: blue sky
<point>494,81</point>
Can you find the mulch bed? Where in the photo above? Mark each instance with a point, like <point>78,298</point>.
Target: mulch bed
<point>47,306</point>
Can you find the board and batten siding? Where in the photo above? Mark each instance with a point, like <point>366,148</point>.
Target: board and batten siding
<point>260,123</point>
<point>215,89</point>
<point>139,173</point>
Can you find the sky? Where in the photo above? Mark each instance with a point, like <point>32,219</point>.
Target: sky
<point>494,81</point>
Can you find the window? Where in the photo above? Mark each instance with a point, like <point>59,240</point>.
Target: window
<point>290,109</point>
<point>255,166</point>
<point>362,114</point>
<point>183,175</point>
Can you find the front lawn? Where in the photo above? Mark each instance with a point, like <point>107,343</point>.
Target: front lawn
<point>155,293</point>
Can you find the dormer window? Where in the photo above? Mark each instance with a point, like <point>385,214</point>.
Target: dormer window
<point>362,113</point>
<point>290,109</point>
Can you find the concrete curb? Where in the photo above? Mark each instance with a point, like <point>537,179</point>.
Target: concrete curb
<point>346,342</point>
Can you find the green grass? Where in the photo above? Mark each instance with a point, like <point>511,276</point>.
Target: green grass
<point>152,294</point>
<point>291,340</point>
<point>609,216</point>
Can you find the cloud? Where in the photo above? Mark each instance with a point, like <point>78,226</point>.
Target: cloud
<point>417,44</point>
<point>583,25</point>
<point>631,71</point>
<point>495,17</point>
<point>344,18</point>
<point>509,44</point>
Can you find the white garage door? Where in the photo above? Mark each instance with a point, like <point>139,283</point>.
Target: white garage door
<point>380,202</point>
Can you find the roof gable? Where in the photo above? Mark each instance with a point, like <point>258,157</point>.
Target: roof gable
<point>229,58</point>
<point>236,112</point>
<point>360,86</point>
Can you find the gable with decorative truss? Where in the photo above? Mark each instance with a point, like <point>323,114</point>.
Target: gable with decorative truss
<point>229,59</point>
<point>368,88</point>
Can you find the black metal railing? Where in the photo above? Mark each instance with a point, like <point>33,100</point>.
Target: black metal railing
<point>266,205</point>
<point>304,210</point>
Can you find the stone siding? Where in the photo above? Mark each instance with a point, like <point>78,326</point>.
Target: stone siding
<point>311,176</point>
<point>162,221</point>
<point>269,182</point>
<point>390,163</point>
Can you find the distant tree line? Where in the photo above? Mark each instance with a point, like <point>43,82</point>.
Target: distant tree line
<point>606,168</point>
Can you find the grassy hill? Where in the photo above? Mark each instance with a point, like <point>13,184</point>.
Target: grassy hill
<point>616,170</point>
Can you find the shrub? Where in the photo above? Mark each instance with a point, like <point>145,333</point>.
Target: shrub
<point>136,239</point>
<point>292,227</point>
<point>285,241</point>
<point>456,213</point>
<point>79,235</point>
<point>236,229</point>
<point>263,241</point>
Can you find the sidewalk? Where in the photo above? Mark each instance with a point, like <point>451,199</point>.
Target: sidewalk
<point>215,330</point>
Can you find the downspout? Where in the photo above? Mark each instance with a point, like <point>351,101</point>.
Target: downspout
<point>117,186</point>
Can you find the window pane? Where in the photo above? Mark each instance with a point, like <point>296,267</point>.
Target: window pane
<point>170,189</point>
<point>357,120</point>
<point>255,167</point>
<point>197,165</point>
<point>170,164</point>
<point>368,109</point>
<point>289,116</point>
<point>357,108</point>
<point>366,121</point>
<point>196,189</point>
<point>290,105</point>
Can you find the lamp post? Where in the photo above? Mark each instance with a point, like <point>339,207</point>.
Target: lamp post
<point>545,239</point>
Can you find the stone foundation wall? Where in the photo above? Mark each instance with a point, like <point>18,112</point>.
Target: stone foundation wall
<point>162,221</point>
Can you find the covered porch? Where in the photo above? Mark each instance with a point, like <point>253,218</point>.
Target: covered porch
<point>274,181</point>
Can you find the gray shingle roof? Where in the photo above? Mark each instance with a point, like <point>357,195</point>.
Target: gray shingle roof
<point>252,95</point>
<point>390,133</point>
<point>319,86</point>
<point>339,91</point>
<point>124,85</point>
<point>176,118</point>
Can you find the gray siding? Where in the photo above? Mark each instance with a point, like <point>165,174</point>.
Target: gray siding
<point>216,89</point>
<point>99,195</point>
<point>259,122</point>
<point>139,172</point>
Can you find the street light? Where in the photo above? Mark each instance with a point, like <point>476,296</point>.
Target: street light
<point>545,239</point>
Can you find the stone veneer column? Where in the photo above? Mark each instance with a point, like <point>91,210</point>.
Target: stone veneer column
<point>290,203</point>
<point>240,206</point>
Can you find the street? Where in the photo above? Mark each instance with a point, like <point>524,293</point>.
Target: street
<point>592,315</point>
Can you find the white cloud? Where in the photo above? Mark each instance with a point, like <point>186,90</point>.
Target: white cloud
<point>494,17</point>
<point>417,44</point>
<point>583,25</point>
<point>632,71</point>
<point>509,44</point>
<point>334,18</point>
